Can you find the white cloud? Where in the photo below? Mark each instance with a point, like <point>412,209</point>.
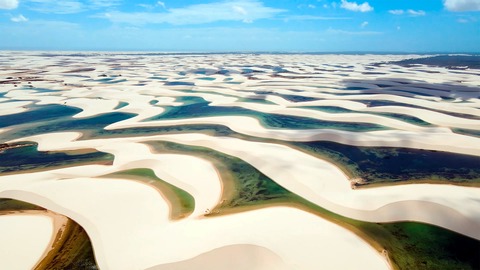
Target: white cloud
<point>161,4</point>
<point>58,7</point>
<point>8,4</point>
<point>313,18</point>
<point>54,25</point>
<point>353,33</point>
<point>410,12</point>
<point>396,12</point>
<point>462,5</point>
<point>240,10</point>
<point>309,6</point>
<point>364,24</point>
<point>147,6</point>
<point>353,6</point>
<point>103,3</point>
<point>69,6</point>
<point>416,12</point>
<point>19,18</point>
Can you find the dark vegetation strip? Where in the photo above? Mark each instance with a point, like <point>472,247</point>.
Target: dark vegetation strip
<point>72,250</point>
<point>409,245</point>
<point>252,185</point>
<point>10,205</point>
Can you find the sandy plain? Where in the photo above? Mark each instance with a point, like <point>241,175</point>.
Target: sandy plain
<point>128,221</point>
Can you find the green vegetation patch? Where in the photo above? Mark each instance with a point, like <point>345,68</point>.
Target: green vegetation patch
<point>243,184</point>
<point>181,202</point>
<point>409,245</point>
<point>433,247</point>
<point>10,205</point>
<point>72,251</point>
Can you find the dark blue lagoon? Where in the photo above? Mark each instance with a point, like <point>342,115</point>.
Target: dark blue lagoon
<point>196,107</point>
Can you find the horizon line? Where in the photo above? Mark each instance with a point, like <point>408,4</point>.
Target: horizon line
<point>240,52</point>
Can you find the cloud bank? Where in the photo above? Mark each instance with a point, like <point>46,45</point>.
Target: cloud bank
<point>410,12</point>
<point>353,6</point>
<point>8,4</point>
<point>241,10</point>
<point>462,5</point>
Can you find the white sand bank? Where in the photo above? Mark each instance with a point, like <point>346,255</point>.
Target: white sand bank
<point>23,240</point>
<point>106,214</point>
<point>13,107</point>
<point>431,139</point>
<point>128,221</point>
<point>319,181</point>
<point>235,257</point>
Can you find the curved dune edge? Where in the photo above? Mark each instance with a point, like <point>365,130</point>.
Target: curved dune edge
<point>324,184</point>
<point>234,257</point>
<point>201,180</point>
<point>431,139</point>
<point>24,239</point>
<point>13,107</point>
<point>304,247</point>
<point>105,99</point>
<point>320,182</point>
<point>436,118</point>
<point>59,223</point>
<point>317,181</point>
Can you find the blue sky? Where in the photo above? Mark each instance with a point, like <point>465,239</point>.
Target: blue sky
<point>242,25</point>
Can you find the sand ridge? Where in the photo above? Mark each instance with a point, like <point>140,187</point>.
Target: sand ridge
<point>320,182</point>
<point>24,235</point>
<point>348,89</point>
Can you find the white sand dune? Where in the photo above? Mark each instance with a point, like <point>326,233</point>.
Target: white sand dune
<point>102,208</point>
<point>91,107</point>
<point>438,138</point>
<point>320,182</point>
<point>128,221</point>
<point>24,238</point>
<point>7,108</point>
<point>324,184</point>
<point>199,179</point>
<point>246,257</point>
